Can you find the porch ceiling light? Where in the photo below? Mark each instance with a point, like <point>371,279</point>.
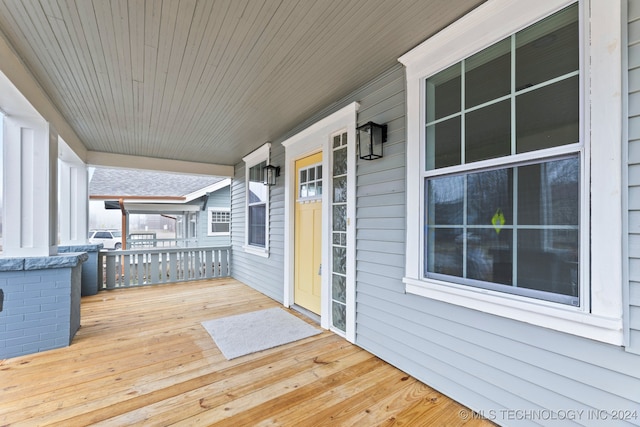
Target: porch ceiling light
<point>269,174</point>
<point>370,137</point>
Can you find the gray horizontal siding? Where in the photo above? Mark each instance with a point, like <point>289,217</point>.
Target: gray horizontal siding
<point>633,176</point>
<point>266,275</point>
<point>464,353</point>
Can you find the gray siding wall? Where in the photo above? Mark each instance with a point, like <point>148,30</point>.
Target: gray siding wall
<point>217,199</point>
<point>634,175</point>
<point>486,362</point>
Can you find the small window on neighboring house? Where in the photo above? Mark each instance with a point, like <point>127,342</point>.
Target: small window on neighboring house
<point>219,221</point>
<point>257,202</point>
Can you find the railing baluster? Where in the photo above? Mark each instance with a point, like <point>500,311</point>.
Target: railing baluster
<point>126,263</point>
<point>173,267</point>
<point>164,272</point>
<point>111,272</point>
<point>197,265</point>
<point>153,276</point>
<point>224,263</point>
<point>208,264</point>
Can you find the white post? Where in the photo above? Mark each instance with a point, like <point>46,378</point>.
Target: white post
<point>74,201</point>
<point>30,207</point>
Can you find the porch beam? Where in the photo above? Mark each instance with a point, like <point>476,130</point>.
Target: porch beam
<point>97,158</point>
<point>74,197</point>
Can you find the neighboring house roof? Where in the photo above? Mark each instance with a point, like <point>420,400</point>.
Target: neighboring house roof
<point>112,184</point>
<point>152,192</point>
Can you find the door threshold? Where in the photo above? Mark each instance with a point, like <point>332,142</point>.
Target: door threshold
<point>310,314</point>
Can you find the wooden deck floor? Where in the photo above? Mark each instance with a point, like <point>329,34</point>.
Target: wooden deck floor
<point>142,357</point>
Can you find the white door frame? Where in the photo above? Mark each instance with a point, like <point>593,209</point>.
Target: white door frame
<point>316,138</point>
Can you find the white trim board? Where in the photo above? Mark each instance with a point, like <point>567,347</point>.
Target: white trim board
<point>317,138</point>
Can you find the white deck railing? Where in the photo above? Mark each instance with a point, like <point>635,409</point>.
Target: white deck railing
<point>138,267</point>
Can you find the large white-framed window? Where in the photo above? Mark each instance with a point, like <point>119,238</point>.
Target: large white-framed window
<point>219,221</point>
<point>257,202</point>
<point>506,159</point>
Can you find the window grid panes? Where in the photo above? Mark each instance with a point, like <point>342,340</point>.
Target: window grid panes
<point>339,232</point>
<point>512,223</point>
<point>310,182</point>
<point>219,222</point>
<point>257,207</point>
<point>532,75</point>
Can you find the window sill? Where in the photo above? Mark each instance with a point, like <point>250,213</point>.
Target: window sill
<point>540,313</point>
<point>218,234</point>
<point>256,251</point>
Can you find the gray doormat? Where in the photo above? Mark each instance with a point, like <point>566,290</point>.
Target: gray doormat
<point>247,333</point>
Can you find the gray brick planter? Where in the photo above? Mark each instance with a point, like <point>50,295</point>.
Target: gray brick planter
<point>90,267</point>
<point>41,302</point>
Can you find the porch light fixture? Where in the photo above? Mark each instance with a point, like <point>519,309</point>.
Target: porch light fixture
<point>269,174</point>
<point>370,137</point>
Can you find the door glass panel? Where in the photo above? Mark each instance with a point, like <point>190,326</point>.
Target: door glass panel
<point>340,189</point>
<point>310,185</point>
<point>339,287</point>
<point>340,161</point>
<point>339,228</point>
<point>339,315</point>
<point>340,218</point>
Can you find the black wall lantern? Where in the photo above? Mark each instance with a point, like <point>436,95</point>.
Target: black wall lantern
<point>370,137</point>
<point>269,174</point>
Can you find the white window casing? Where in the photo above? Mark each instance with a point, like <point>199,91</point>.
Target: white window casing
<point>315,138</point>
<point>599,316</point>
<point>256,157</point>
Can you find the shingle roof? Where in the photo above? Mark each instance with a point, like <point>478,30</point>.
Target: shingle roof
<point>127,182</point>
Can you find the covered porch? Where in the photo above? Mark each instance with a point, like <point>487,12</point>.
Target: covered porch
<point>141,356</point>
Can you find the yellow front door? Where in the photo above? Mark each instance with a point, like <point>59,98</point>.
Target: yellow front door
<point>308,232</point>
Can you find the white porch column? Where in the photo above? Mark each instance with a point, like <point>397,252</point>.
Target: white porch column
<point>74,203</point>
<point>30,184</point>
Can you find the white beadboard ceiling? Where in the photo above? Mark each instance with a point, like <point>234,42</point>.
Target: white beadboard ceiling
<point>208,80</point>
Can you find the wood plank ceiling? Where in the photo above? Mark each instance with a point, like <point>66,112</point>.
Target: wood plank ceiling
<point>208,80</point>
